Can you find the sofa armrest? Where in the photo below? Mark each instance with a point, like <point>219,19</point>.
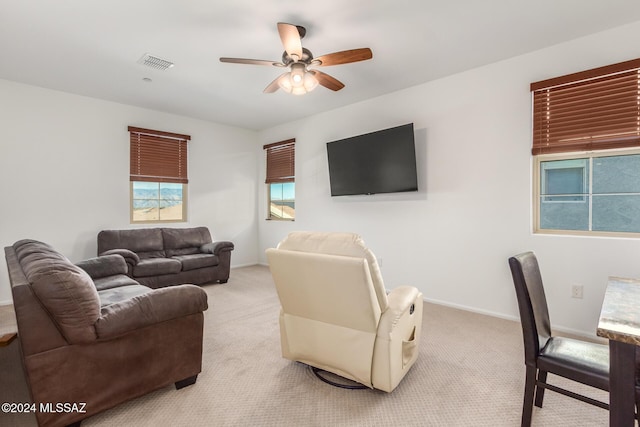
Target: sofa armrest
<point>216,247</point>
<point>401,300</point>
<point>130,257</point>
<point>151,308</point>
<point>104,266</point>
<point>127,254</point>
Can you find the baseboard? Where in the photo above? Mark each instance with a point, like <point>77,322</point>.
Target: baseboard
<point>245,265</point>
<point>560,329</point>
<point>472,309</point>
<point>7,302</point>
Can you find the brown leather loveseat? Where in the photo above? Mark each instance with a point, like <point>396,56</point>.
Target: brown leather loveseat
<point>94,337</point>
<point>158,257</point>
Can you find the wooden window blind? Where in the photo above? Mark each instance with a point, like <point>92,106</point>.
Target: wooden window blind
<point>281,161</point>
<point>158,156</point>
<point>591,110</point>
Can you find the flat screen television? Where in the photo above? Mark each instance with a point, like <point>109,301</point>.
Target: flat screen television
<point>378,162</point>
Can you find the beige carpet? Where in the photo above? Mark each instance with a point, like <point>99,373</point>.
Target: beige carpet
<point>470,372</point>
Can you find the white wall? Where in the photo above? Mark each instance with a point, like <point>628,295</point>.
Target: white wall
<point>452,238</point>
<point>64,172</point>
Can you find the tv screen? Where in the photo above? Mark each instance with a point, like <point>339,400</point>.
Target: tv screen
<point>376,162</point>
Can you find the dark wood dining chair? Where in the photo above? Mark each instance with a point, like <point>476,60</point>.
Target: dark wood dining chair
<point>581,361</point>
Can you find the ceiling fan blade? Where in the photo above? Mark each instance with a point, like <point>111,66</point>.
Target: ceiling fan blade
<point>252,61</point>
<point>290,40</point>
<point>327,81</point>
<point>274,86</point>
<point>344,57</point>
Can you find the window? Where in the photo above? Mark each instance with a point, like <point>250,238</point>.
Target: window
<point>586,134</point>
<point>158,175</point>
<point>281,180</point>
<point>563,180</point>
<point>595,192</point>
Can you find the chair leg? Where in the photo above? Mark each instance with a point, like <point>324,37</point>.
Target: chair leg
<point>529,390</point>
<point>542,378</point>
<point>638,404</point>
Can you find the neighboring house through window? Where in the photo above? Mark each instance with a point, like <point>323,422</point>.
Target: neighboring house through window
<point>280,180</point>
<point>158,175</point>
<point>586,147</point>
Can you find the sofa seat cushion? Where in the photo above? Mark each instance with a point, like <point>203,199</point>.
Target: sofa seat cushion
<point>114,281</point>
<point>156,267</point>
<point>191,262</point>
<point>121,293</point>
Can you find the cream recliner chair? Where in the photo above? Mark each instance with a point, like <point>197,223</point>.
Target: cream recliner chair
<point>336,315</point>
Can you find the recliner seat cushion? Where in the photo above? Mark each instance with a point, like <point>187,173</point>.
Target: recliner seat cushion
<point>156,267</point>
<point>192,262</point>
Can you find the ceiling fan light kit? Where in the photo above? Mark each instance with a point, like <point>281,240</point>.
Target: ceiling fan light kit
<point>300,79</point>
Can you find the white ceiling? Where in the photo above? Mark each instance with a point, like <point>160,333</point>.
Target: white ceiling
<point>91,48</point>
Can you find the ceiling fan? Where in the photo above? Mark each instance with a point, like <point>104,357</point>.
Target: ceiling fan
<point>300,79</point>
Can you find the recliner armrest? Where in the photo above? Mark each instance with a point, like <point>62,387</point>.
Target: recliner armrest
<point>104,266</point>
<point>148,309</point>
<point>400,301</point>
<point>216,247</point>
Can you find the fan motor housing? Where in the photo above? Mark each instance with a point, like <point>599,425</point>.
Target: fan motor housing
<point>307,57</point>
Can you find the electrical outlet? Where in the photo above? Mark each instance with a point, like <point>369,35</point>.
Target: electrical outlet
<point>577,291</point>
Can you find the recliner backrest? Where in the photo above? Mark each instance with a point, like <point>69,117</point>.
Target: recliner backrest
<point>340,244</point>
<point>532,304</point>
<point>332,289</point>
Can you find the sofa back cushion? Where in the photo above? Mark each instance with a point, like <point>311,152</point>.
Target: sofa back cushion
<point>65,290</point>
<point>184,241</point>
<point>146,242</point>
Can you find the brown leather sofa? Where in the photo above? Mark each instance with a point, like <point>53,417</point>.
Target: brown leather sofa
<point>158,257</point>
<point>94,337</point>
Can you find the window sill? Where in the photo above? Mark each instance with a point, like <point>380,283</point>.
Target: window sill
<point>580,233</point>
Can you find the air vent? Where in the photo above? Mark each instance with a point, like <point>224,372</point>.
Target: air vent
<point>155,62</point>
